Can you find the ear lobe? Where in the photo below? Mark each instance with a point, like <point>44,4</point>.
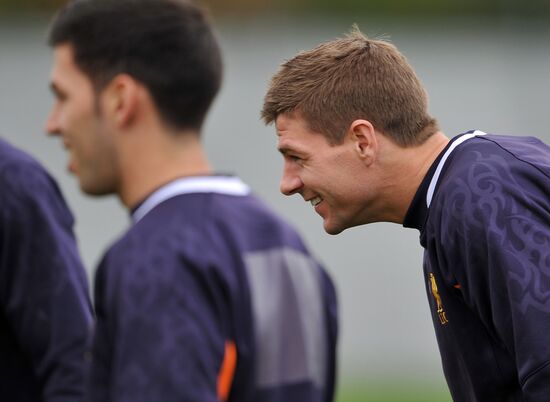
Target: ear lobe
<point>364,139</point>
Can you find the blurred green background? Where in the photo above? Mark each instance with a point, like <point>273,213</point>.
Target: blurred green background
<point>485,64</point>
<point>424,8</point>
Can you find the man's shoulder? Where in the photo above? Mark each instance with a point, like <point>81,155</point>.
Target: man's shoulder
<point>19,170</point>
<point>496,158</point>
<point>160,238</point>
<point>26,183</point>
<point>259,224</point>
<point>211,218</point>
<point>204,230</point>
<point>526,149</point>
<point>529,152</point>
<point>490,179</point>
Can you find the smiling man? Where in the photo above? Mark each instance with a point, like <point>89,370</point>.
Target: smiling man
<point>327,174</point>
<point>359,145</point>
<point>209,296</point>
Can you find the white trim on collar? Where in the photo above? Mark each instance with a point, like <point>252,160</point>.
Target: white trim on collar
<point>435,177</point>
<point>204,184</point>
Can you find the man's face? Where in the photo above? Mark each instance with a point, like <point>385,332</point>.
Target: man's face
<point>328,176</point>
<point>76,118</point>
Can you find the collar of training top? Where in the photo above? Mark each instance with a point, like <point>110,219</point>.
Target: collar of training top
<point>229,185</point>
<point>418,210</point>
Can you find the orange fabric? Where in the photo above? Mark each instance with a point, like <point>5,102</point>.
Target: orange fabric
<point>227,370</point>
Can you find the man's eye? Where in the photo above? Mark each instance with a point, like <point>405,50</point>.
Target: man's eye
<point>293,158</point>
<point>59,97</point>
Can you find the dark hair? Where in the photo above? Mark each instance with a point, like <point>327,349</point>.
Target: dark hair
<point>167,45</point>
<point>352,78</point>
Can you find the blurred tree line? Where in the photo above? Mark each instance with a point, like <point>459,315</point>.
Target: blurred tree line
<point>416,8</point>
<point>413,8</point>
<point>24,6</point>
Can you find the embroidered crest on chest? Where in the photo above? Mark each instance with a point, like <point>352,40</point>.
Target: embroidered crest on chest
<point>439,304</point>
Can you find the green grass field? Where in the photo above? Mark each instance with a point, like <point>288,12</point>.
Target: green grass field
<point>393,392</point>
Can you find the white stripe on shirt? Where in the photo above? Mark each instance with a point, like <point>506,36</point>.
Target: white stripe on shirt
<point>435,177</point>
<point>228,185</point>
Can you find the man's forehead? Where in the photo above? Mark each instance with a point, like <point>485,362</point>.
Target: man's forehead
<point>291,141</point>
<point>64,68</point>
<point>279,125</point>
<point>63,53</point>
<point>285,121</point>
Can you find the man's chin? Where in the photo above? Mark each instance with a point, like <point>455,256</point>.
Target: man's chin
<point>94,190</point>
<point>333,230</point>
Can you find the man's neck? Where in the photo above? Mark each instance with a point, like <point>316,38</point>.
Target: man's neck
<point>409,166</point>
<point>148,165</point>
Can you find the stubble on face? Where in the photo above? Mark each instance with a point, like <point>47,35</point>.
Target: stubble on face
<point>328,176</point>
<point>76,117</point>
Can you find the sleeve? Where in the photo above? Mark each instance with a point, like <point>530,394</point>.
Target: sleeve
<point>43,287</point>
<point>159,336</point>
<point>500,229</point>
<point>331,305</point>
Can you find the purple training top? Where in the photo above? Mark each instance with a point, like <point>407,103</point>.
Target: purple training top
<point>483,212</point>
<point>206,264</point>
<point>45,312</point>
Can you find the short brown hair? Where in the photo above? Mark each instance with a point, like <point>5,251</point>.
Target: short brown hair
<point>352,78</point>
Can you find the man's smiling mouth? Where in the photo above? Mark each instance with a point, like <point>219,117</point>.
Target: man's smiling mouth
<point>315,201</point>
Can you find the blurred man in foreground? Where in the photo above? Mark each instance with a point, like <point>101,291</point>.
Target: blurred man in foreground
<point>209,296</point>
<point>45,311</point>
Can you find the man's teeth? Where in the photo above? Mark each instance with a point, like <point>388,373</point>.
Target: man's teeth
<point>315,201</point>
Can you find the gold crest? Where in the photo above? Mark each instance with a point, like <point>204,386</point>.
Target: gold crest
<point>440,312</point>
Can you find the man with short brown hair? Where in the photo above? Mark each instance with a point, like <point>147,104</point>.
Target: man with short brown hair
<point>359,145</point>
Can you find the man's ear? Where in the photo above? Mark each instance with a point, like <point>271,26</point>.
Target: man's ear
<point>121,100</point>
<point>365,141</point>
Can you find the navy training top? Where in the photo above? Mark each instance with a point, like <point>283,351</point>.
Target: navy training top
<point>210,296</point>
<point>45,312</point>
<point>483,212</point>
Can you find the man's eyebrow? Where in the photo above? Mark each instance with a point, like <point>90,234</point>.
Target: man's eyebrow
<point>287,149</point>
<point>283,149</point>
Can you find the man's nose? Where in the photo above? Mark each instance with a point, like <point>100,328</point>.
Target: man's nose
<point>290,182</point>
<point>52,123</point>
